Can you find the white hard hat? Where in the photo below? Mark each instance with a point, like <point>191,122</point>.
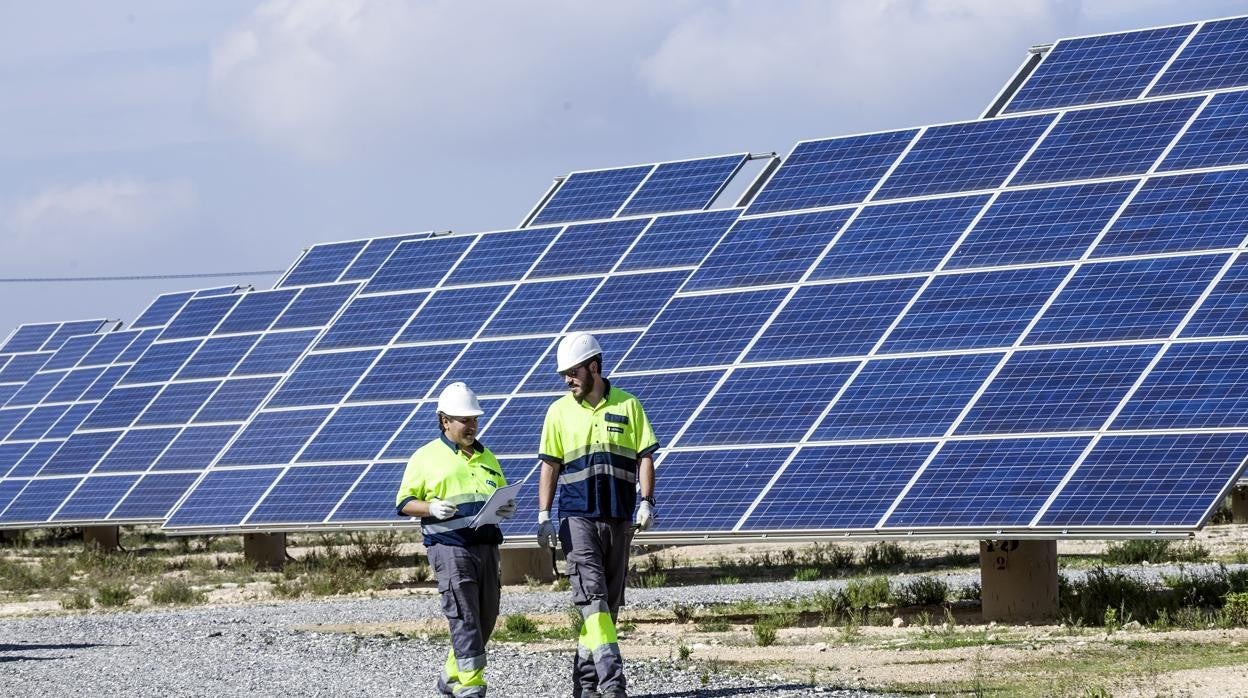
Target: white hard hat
<point>458,400</point>
<point>575,349</point>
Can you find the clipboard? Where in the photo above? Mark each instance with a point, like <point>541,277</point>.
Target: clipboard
<point>489,511</point>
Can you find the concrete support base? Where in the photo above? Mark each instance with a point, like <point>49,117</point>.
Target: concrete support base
<point>522,564</point>
<point>267,551</point>
<point>1018,580</point>
<point>106,538</point>
<point>1239,505</point>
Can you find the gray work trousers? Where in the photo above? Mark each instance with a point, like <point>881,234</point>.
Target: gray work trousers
<point>469,583</point>
<point>597,558</point>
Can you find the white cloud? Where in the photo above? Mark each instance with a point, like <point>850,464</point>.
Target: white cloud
<point>862,59</point>
<point>323,78</point>
<point>94,223</point>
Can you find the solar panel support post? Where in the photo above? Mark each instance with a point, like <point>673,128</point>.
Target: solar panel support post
<point>267,551</point>
<point>1018,580</point>
<point>105,538</point>
<point>1239,504</point>
<point>522,564</point>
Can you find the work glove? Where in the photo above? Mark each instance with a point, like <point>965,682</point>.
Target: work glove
<point>507,510</point>
<point>645,516</point>
<point>545,530</point>
<point>441,509</point>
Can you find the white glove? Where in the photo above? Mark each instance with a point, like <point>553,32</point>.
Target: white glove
<point>645,516</point>
<point>507,510</point>
<point>546,535</point>
<point>442,510</point>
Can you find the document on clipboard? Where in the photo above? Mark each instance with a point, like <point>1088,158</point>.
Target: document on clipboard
<point>489,512</point>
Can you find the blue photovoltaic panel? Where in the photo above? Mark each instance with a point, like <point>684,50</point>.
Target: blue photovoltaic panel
<point>71,329</point>
<point>899,238</point>
<point>29,337</point>
<point>323,263</point>
<point>1168,480</point>
<point>371,321</point>
<point>1218,137</point>
<point>120,407</point>
<point>314,306</point>
<point>374,255</point>
<point>685,474</point>
<point>772,250</point>
<point>275,353</point>
<point>456,313</point>
<point>274,437</point>
<point>177,403</point>
<point>137,450</point>
<point>628,301</point>
<point>906,398</point>
<point>161,310</point>
<point>1057,390</point>
<point>256,311</point>
<point>669,398</point>
<point>195,447</point>
<point>687,185</point>
<point>418,264</point>
<point>153,496</point>
<point>592,248</point>
<point>991,482</point>
<point>22,367</point>
<point>217,357</point>
<point>406,373</point>
<point>372,498</point>
<point>1215,58</point>
<point>1106,142</point>
<point>323,378</point>
<point>38,500</point>
<point>768,404</point>
<point>223,497</point>
<point>964,157</point>
<point>34,459</point>
<point>356,433</point>
<point>1222,312</point>
<point>305,495</point>
<point>199,317</point>
<point>540,307</point>
<point>1053,224</point>
<point>160,362</point>
<point>80,453</point>
<point>502,256</point>
<point>838,487</point>
<point>831,172</point>
<point>1194,386</point>
<point>110,348</point>
<point>1134,299</point>
<point>95,498</point>
<point>72,351</point>
<point>494,368</point>
<point>75,384</point>
<point>587,196</point>
<point>975,310</point>
<point>235,400</point>
<point>702,330</point>
<point>678,240</point>
<point>1181,213</point>
<point>1105,68</point>
<point>517,426</point>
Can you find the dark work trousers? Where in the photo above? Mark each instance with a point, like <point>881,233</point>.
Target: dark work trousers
<point>468,580</point>
<point>597,558</point>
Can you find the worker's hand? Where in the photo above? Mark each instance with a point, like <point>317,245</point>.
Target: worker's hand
<point>507,510</point>
<point>442,510</point>
<point>546,535</point>
<point>645,516</point>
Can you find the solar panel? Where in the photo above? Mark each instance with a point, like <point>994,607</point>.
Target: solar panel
<point>1103,68</point>
<point>1028,324</point>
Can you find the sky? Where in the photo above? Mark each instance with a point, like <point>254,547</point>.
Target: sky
<point>179,137</point>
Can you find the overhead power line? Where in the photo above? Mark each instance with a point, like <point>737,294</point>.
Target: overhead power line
<point>204,275</point>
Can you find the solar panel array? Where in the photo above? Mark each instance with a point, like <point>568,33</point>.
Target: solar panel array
<point>1024,325</point>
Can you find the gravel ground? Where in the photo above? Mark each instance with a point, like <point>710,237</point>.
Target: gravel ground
<point>255,650</point>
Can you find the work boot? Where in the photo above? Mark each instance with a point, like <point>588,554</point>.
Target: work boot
<point>615,693</point>
<point>587,693</point>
